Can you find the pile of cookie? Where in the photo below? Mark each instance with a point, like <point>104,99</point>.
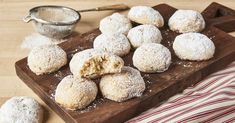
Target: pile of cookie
<point>118,82</point>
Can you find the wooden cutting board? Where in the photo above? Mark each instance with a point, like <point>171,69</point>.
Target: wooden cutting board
<point>160,86</point>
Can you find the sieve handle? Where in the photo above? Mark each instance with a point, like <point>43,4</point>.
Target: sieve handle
<point>27,18</point>
<point>109,7</point>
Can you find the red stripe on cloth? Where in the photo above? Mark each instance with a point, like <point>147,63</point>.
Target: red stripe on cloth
<point>176,105</point>
<point>190,109</point>
<point>218,116</point>
<point>194,119</point>
<point>204,113</point>
<point>203,86</point>
<point>225,73</point>
<point>209,103</point>
<point>231,120</point>
<point>218,86</point>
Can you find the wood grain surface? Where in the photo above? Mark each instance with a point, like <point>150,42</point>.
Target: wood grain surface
<point>13,31</point>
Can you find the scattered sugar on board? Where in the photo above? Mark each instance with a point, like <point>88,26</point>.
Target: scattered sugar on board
<point>184,64</point>
<point>129,64</point>
<point>59,75</point>
<point>166,32</point>
<point>79,48</point>
<point>210,34</point>
<point>92,106</point>
<point>52,96</point>
<point>167,35</point>
<point>90,37</point>
<point>52,91</point>
<point>212,37</point>
<point>36,39</point>
<point>170,43</point>
<point>149,82</point>
<point>146,76</point>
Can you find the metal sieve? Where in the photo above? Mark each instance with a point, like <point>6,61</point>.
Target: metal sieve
<point>59,21</point>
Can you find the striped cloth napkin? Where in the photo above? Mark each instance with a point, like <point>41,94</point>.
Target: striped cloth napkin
<point>210,101</point>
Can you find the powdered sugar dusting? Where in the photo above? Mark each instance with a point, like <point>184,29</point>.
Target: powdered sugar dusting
<point>60,75</point>
<point>93,105</point>
<point>186,21</point>
<point>117,44</point>
<point>193,46</point>
<point>46,59</point>
<point>151,58</point>
<point>75,93</point>
<point>116,23</point>
<point>21,109</point>
<point>184,63</point>
<point>144,34</point>
<point>122,86</point>
<point>146,15</point>
<point>35,39</point>
<point>212,37</point>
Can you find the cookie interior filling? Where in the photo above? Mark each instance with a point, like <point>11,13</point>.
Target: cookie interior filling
<point>100,65</point>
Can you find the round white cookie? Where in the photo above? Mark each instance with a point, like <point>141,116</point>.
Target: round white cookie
<point>21,109</point>
<point>75,93</point>
<point>117,44</point>
<point>92,63</point>
<point>46,59</point>
<point>115,23</point>
<point>122,86</point>
<point>193,46</point>
<point>144,34</point>
<point>184,21</point>
<point>151,58</point>
<point>146,15</point>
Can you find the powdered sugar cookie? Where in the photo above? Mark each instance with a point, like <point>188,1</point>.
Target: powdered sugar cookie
<point>75,93</point>
<point>146,15</point>
<point>144,34</point>
<point>185,21</point>
<point>151,58</point>
<point>21,110</point>
<point>115,23</point>
<point>122,86</point>
<point>193,46</point>
<point>117,44</point>
<point>92,63</point>
<point>46,59</point>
